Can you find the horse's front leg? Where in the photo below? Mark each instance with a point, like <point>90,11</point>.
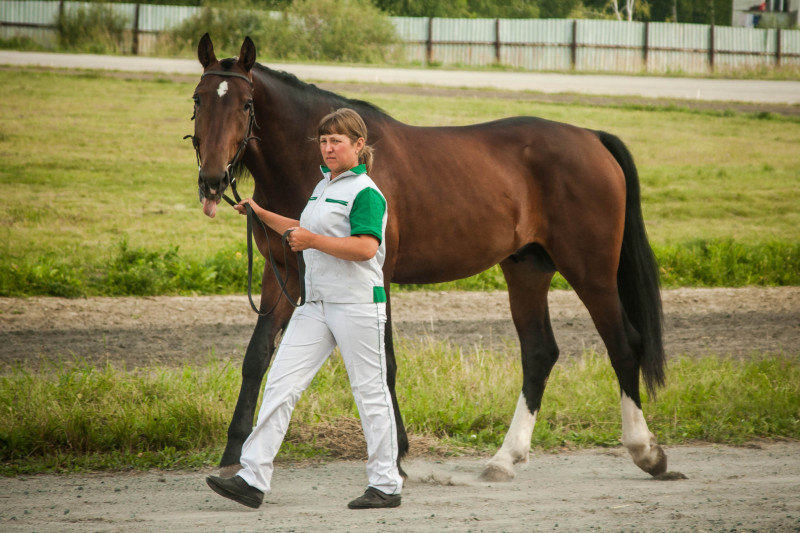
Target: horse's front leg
<point>256,360</point>
<point>528,284</point>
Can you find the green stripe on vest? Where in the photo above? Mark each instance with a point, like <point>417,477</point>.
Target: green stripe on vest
<point>378,295</point>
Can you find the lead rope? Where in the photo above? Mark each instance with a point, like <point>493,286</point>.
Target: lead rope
<point>301,265</point>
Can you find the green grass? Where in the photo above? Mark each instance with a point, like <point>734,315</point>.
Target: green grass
<point>128,271</point>
<point>73,416</point>
<point>95,168</point>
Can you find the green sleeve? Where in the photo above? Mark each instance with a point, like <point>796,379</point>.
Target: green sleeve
<point>366,215</point>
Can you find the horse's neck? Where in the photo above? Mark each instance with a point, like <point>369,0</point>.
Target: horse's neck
<point>285,161</point>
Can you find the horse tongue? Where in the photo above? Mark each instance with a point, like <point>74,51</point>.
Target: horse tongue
<point>209,207</point>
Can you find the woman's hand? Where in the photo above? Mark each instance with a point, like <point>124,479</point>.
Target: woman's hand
<point>300,239</point>
<point>240,207</point>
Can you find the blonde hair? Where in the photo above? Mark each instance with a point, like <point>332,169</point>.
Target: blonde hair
<point>345,121</point>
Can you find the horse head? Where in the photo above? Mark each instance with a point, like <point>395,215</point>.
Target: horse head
<point>224,118</point>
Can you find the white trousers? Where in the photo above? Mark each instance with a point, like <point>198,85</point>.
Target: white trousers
<point>313,332</point>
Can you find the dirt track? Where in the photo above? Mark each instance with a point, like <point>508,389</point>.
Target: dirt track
<point>728,488</point>
<point>175,330</point>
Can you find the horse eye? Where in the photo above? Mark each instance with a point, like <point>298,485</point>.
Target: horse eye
<point>196,100</point>
<point>248,105</point>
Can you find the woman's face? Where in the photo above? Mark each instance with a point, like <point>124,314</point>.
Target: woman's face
<point>339,153</point>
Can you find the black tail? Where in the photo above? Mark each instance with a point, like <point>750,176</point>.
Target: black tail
<point>637,275</point>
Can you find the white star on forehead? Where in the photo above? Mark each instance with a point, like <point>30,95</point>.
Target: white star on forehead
<point>222,89</point>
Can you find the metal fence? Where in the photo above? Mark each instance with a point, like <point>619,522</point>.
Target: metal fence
<point>532,44</point>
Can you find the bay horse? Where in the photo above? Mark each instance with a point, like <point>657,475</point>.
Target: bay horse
<point>533,195</point>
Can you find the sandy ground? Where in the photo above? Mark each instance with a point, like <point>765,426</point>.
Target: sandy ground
<point>752,488</point>
<point>728,489</point>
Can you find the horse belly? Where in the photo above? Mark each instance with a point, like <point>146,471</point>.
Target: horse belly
<point>448,256</point>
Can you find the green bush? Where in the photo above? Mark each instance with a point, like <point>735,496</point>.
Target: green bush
<point>143,272</point>
<point>22,42</point>
<point>346,30</point>
<point>98,29</point>
<point>323,30</point>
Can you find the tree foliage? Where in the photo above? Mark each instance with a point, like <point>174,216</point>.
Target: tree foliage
<point>326,30</point>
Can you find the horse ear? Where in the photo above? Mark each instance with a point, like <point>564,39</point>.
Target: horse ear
<point>247,55</point>
<point>205,51</point>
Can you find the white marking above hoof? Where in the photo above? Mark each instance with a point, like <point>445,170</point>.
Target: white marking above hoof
<point>641,444</point>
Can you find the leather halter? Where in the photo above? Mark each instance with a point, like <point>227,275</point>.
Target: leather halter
<point>227,74</point>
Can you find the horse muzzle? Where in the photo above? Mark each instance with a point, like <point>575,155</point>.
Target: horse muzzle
<point>210,191</point>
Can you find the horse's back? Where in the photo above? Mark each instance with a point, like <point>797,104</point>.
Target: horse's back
<point>494,187</point>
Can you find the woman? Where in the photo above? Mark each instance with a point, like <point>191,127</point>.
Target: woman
<point>341,235</point>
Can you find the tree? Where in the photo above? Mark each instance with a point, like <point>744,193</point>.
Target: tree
<point>557,9</point>
<point>628,9</point>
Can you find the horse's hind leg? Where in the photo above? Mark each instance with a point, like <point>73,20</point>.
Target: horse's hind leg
<point>391,378</point>
<point>528,278</point>
<point>623,343</point>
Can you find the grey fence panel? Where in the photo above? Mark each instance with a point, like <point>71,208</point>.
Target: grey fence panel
<point>31,20</point>
<point>155,18</point>
<point>550,32</point>
<point>536,44</point>
<point>790,48</point>
<point>413,32</point>
<point>44,13</point>
<point>464,30</point>
<point>678,47</point>
<point>411,28</point>
<point>464,41</point>
<point>737,49</point>
<point>607,45</point>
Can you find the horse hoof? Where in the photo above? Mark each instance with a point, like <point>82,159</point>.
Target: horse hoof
<point>656,465</point>
<point>494,472</point>
<point>229,470</point>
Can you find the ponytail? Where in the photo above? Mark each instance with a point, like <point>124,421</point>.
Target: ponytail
<point>365,157</point>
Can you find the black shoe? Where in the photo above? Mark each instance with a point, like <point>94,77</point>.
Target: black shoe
<point>375,499</point>
<point>236,489</point>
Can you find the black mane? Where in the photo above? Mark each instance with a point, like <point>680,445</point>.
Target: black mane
<point>315,92</point>
<point>310,91</point>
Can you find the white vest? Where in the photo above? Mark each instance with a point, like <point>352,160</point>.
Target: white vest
<point>328,278</point>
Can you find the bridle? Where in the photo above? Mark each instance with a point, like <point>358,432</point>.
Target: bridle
<point>251,216</point>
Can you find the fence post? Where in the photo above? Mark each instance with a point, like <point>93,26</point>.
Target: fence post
<point>135,49</point>
<point>711,49</point>
<point>429,44</point>
<point>778,48</point>
<point>574,45</point>
<point>497,40</point>
<point>646,46</point>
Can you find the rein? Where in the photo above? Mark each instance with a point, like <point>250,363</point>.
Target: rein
<point>251,216</point>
